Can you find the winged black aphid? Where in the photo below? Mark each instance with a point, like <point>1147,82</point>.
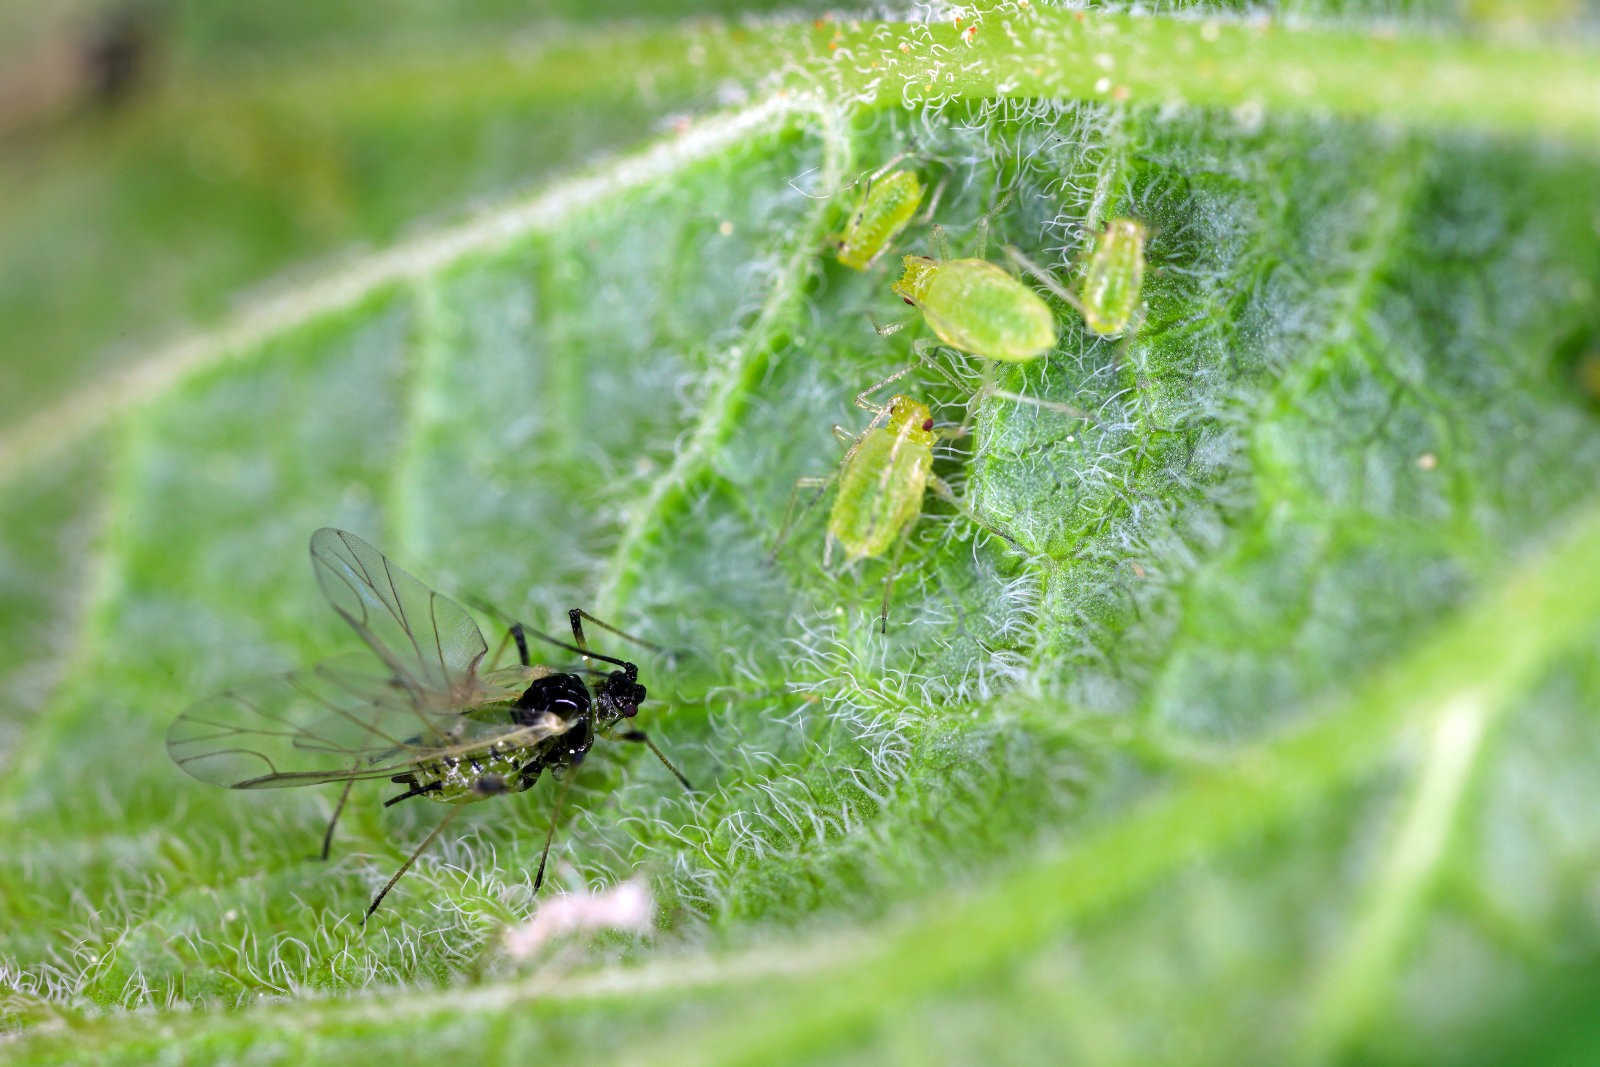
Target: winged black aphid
<point>435,714</point>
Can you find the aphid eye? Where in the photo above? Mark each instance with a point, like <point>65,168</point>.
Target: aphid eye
<point>927,424</point>
<point>908,300</point>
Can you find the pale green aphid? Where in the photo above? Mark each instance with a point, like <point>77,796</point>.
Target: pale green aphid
<point>977,307</point>
<point>882,479</point>
<point>881,482</point>
<point>886,208</point>
<point>1113,277</point>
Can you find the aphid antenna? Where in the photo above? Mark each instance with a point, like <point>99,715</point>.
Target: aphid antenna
<point>587,654</point>
<point>989,388</point>
<point>880,411</point>
<point>1044,277</point>
<point>913,152</point>
<point>809,196</point>
<point>576,615</point>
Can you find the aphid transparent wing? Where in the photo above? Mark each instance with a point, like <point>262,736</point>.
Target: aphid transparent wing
<point>428,640</point>
<point>334,722</point>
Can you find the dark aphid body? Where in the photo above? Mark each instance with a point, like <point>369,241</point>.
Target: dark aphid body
<point>504,767</point>
<point>433,717</point>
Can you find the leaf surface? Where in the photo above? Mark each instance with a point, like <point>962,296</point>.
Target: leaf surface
<point>1244,711</point>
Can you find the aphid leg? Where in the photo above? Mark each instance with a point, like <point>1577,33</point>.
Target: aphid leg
<point>942,489</point>
<point>983,225</point>
<point>406,866</point>
<point>888,579</point>
<point>550,835</point>
<point>941,243</point>
<point>887,328</point>
<point>586,653</point>
<point>338,809</point>
<point>575,615</point>
<point>933,201</point>
<point>989,388</point>
<point>790,516</point>
<point>639,736</point>
<point>1044,278</point>
<point>515,633</point>
<point>415,790</point>
<point>1134,322</point>
<point>923,350</point>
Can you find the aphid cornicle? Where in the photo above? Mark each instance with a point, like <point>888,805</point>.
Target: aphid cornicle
<point>977,307</point>
<point>1113,278</point>
<point>887,207</point>
<point>431,715</point>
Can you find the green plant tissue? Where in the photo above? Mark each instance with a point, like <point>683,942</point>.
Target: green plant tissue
<point>1242,707</point>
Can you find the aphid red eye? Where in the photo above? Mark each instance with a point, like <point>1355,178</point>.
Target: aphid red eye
<point>927,424</point>
<point>908,300</point>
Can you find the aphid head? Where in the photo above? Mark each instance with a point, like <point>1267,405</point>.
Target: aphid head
<point>919,271</point>
<point>620,695</point>
<point>909,415</point>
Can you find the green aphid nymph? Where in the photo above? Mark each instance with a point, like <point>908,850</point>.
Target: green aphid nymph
<point>886,208</point>
<point>977,307</point>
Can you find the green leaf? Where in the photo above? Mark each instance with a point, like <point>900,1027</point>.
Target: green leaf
<point>1248,716</point>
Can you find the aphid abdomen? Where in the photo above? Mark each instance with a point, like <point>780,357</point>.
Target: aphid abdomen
<point>1113,278</point>
<point>462,777</point>
<point>975,306</point>
<point>888,205</point>
<point>880,491</point>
